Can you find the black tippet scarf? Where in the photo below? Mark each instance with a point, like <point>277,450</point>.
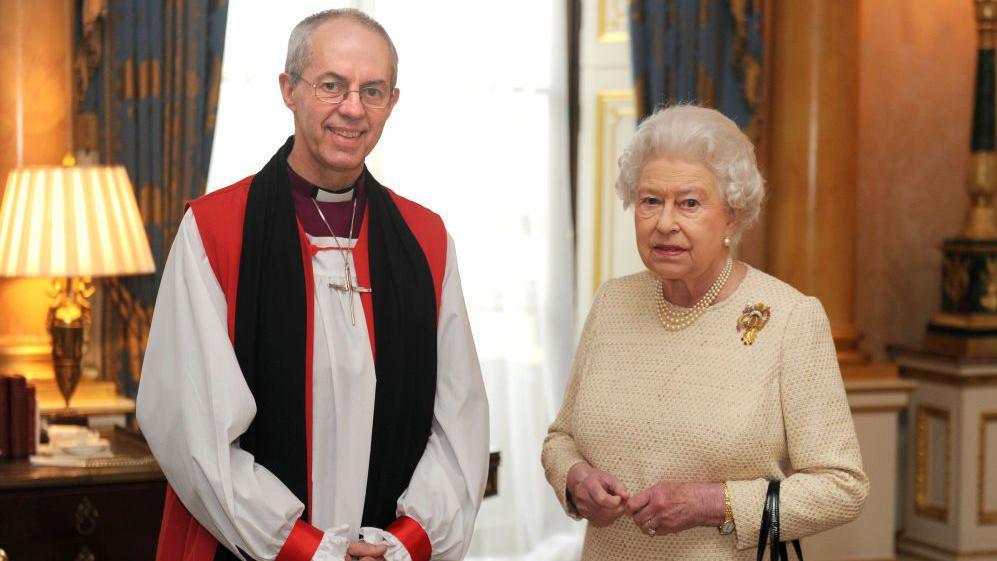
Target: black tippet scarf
<point>271,336</point>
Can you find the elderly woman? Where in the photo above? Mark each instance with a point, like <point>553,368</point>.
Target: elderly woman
<point>700,379</point>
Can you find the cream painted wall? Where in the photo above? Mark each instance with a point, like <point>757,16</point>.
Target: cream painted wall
<point>606,246</point>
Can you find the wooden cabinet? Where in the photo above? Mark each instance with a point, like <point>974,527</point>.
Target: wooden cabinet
<point>82,514</point>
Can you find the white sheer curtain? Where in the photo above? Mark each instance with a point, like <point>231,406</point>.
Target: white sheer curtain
<point>252,121</point>
<point>480,136</point>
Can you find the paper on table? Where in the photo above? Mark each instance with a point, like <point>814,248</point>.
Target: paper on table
<point>105,459</point>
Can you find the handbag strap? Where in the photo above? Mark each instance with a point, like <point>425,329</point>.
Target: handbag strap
<point>763,531</point>
<point>768,534</point>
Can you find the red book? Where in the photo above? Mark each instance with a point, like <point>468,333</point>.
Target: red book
<point>4,416</point>
<point>32,402</point>
<point>18,417</point>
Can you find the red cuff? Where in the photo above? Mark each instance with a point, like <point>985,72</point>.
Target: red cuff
<point>413,537</point>
<point>301,543</point>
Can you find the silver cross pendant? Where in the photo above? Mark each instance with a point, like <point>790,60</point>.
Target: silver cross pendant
<point>350,288</point>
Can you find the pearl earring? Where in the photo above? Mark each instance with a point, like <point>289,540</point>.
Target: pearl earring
<point>726,241</point>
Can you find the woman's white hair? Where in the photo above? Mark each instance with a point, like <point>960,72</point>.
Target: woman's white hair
<point>703,135</point>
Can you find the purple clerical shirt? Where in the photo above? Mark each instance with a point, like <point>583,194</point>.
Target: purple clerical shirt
<point>336,212</point>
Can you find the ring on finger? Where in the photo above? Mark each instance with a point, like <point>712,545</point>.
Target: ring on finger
<point>651,527</point>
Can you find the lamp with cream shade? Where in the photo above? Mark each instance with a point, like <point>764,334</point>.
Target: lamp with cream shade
<point>71,222</point>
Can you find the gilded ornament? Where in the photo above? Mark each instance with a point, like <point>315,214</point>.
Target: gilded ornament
<point>752,320</point>
<point>956,278</point>
<point>989,300</point>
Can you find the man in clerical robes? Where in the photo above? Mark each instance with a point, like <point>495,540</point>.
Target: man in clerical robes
<point>310,387</point>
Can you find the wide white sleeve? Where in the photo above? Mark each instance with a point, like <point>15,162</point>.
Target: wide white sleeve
<point>193,404</point>
<point>449,481</point>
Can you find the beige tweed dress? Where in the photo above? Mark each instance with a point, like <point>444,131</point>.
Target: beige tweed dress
<point>646,404</point>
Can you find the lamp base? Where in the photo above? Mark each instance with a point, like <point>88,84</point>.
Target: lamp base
<point>69,318</point>
<point>67,352</point>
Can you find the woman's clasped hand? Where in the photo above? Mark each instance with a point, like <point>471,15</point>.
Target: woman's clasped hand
<point>664,508</point>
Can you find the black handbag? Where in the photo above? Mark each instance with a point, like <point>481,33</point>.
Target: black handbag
<point>769,531</point>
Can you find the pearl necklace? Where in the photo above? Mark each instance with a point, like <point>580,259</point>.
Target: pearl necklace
<point>674,318</point>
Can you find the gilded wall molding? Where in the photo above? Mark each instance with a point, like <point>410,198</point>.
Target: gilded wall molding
<point>612,24</point>
<point>611,107</point>
<point>984,517</point>
<point>922,503</point>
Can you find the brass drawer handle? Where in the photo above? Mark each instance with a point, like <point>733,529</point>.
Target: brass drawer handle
<point>86,521</point>
<point>85,555</point>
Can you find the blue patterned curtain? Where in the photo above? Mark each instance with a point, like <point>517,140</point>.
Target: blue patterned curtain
<point>703,51</point>
<point>149,75</point>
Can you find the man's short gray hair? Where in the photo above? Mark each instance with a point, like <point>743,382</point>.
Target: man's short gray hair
<point>706,136</point>
<point>297,45</point>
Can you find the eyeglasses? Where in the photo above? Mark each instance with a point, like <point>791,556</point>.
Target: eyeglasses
<point>335,92</point>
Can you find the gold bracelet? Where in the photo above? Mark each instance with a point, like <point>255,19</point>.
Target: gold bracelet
<point>728,526</point>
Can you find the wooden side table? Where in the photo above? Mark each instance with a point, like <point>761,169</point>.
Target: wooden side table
<point>83,514</point>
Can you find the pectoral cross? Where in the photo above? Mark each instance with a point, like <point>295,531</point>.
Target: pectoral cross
<point>350,288</point>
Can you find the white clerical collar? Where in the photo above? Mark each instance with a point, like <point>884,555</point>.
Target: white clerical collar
<point>323,196</point>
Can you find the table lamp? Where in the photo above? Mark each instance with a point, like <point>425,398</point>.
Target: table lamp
<point>71,223</point>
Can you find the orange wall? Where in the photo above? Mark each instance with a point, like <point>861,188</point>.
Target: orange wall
<point>35,129</point>
<point>916,86</point>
